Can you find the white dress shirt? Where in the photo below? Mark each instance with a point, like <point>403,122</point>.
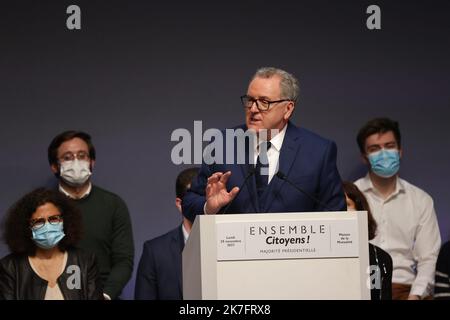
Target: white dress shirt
<point>408,230</point>
<point>273,154</point>
<point>185,233</point>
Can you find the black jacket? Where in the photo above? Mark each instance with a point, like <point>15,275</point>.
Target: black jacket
<point>18,281</point>
<point>382,259</point>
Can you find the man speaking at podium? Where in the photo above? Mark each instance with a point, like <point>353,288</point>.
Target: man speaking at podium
<point>291,170</point>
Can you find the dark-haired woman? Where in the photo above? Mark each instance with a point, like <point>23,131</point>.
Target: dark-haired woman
<point>378,258</point>
<point>41,231</point>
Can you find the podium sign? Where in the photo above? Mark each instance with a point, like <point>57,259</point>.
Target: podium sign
<point>287,239</point>
<point>318,255</point>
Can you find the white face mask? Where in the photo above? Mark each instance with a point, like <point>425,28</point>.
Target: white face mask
<point>75,172</point>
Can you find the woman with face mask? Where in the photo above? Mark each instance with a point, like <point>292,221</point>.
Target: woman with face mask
<point>41,231</point>
<point>380,260</point>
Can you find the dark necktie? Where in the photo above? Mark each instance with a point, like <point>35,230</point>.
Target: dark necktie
<point>262,169</point>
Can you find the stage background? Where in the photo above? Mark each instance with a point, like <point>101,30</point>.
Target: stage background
<point>140,69</point>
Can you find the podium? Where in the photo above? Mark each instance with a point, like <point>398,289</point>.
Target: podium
<point>318,255</point>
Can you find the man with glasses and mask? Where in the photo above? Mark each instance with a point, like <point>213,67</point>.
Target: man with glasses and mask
<point>288,169</point>
<point>407,224</point>
<point>107,228</point>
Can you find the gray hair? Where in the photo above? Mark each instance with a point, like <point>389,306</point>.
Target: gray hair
<point>289,85</point>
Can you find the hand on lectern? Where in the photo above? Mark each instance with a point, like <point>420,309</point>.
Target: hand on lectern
<point>217,195</point>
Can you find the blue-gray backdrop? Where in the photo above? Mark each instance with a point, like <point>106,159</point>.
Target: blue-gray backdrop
<point>137,70</point>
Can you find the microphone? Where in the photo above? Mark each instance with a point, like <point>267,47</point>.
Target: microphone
<point>250,173</point>
<point>282,176</point>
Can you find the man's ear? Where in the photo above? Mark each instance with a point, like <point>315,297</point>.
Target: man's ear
<point>364,159</point>
<point>178,204</point>
<point>289,110</point>
<point>92,164</point>
<point>54,168</point>
<point>400,152</point>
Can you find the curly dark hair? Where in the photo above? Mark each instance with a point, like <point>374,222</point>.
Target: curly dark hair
<point>17,232</point>
<point>361,204</point>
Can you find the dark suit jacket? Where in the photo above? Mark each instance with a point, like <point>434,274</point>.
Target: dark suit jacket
<point>159,272</point>
<point>308,161</point>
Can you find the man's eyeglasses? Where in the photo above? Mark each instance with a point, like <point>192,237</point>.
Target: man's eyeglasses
<point>261,104</point>
<point>69,156</point>
<point>36,224</point>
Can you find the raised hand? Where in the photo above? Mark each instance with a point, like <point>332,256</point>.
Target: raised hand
<point>217,195</point>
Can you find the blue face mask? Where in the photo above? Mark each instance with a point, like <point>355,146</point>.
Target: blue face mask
<point>49,235</point>
<point>385,163</point>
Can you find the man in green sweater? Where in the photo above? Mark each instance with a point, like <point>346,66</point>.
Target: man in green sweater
<point>107,228</point>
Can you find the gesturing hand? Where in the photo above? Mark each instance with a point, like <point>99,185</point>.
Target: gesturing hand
<point>217,195</point>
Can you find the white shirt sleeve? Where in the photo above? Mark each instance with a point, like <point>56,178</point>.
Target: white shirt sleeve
<point>426,249</point>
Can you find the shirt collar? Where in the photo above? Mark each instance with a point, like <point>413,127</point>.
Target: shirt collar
<point>84,195</point>
<point>185,233</point>
<point>276,142</point>
<point>367,185</point>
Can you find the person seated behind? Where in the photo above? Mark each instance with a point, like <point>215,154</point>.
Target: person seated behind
<point>107,230</point>
<point>159,272</point>
<point>377,256</point>
<point>408,227</point>
<point>442,277</point>
<point>41,231</point>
